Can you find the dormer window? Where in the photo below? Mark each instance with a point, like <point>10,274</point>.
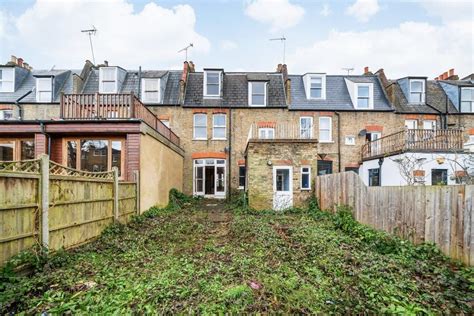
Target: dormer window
<point>151,90</point>
<point>364,96</point>
<point>257,93</point>
<point>7,79</point>
<point>315,85</point>
<point>467,100</point>
<point>44,89</point>
<point>108,80</point>
<point>212,83</point>
<point>417,91</point>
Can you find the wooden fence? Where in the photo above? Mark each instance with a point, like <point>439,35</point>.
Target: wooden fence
<point>437,214</point>
<point>44,203</point>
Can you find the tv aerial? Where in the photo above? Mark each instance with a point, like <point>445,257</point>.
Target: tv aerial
<point>186,50</point>
<point>283,40</point>
<point>91,32</point>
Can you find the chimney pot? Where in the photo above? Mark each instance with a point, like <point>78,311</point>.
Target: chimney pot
<point>106,63</point>
<point>26,66</point>
<point>13,59</point>
<point>366,70</point>
<point>279,67</point>
<point>20,62</point>
<point>451,72</point>
<point>191,66</point>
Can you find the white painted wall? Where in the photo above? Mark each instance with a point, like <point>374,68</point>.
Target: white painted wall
<point>392,176</point>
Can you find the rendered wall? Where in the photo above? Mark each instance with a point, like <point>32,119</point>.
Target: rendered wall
<point>161,169</point>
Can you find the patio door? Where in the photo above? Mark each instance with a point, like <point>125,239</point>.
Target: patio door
<point>209,178</point>
<point>282,187</point>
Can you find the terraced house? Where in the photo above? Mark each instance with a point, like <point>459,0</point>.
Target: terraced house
<point>213,131</point>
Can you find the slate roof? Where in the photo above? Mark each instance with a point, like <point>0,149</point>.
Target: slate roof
<point>435,100</point>
<point>131,83</point>
<point>235,90</point>
<point>337,94</point>
<point>27,82</point>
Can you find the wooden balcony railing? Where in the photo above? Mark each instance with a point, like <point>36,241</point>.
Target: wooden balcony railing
<point>279,131</point>
<point>422,140</point>
<point>112,107</point>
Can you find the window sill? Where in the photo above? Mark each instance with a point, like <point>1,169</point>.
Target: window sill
<point>241,188</point>
<point>305,189</point>
<point>257,105</point>
<point>219,139</point>
<point>200,139</point>
<point>326,142</point>
<point>211,96</point>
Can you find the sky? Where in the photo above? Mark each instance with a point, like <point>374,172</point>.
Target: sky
<point>416,37</point>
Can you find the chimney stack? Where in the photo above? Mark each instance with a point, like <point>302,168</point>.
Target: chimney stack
<point>106,63</point>
<point>366,70</point>
<point>13,59</point>
<point>20,62</point>
<point>283,69</point>
<point>191,66</point>
<point>448,75</point>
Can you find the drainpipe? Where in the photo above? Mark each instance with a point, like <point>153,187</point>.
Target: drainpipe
<point>338,140</point>
<point>49,138</point>
<point>446,113</point>
<point>17,103</point>
<point>229,182</point>
<point>139,92</point>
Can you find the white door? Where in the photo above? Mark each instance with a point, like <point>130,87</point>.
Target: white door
<point>376,146</point>
<point>282,187</point>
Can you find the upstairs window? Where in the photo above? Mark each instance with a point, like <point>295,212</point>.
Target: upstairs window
<point>218,126</point>
<point>325,129</point>
<point>417,91</point>
<point>7,79</point>
<point>363,97</point>
<point>316,87</point>
<point>212,83</point>
<point>257,93</point>
<point>44,89</point>
<point>151,90</point>
<point>200,126</point>
<point>467,100</point>
<point>429,124</point>
<point>306,127</point>
<point>266,133</point>
<point>108,80</point>
<point>6,114</point>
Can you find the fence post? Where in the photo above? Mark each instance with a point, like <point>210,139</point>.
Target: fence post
<point>44,196</point>
<point>116,194</point>
<point>137,190</point>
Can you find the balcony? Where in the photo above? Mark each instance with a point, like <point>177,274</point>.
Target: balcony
<point>270,131</point>
<point>415,140</point>
<point>112,107</point>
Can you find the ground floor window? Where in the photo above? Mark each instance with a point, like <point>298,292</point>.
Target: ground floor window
<point>439,176</point>
<point>353,169</point>
<point>242,175</point>
<point>374,177</point>
<point>94,155</point>
<point>305,178</point>
<point>324,167</point>
<point>17,149</point>
<point>209,177</point>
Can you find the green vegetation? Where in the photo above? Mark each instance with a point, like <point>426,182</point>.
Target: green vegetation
<point>184,259</point>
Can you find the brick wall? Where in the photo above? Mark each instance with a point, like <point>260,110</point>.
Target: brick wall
<point>132,154</point>
<point>40,111</point>
<point>262,157</point>
<point>41,145</point>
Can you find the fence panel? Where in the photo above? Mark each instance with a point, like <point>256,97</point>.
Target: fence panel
<point>438,214</point>
<point>81,205</point>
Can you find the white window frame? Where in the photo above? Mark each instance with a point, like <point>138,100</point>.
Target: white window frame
<point>194,126</point>
<point>309,178</point>
<point>144,92</point>
<point>250,85</point>
<point>431,126</point>
<point>370,104</point>
<point>307,82</point>
<point>348,142</point>
<point>39,91</point>
<point>206,94</point>
<point>304,132</point>
<point>245,177</point>
<point>214,126</point>
<point>461,100</point>
<point>266,131</point>
<point>101,79</point>
<point>166,122</point>
<point>2,115</point>
<point>409,123</point>
<point>3,80</point>
<point>321,118</point>
<point>423,91</point>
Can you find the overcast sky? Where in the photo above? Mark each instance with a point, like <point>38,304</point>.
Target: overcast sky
<point>405,38</point>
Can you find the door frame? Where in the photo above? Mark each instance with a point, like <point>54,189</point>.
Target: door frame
<point>206,163</point>
<point>290,184</point>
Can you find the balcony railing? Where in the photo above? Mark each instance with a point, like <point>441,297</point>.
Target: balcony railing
<point>280,131</point>
<point>112,107</point>
<point>414,140</point>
